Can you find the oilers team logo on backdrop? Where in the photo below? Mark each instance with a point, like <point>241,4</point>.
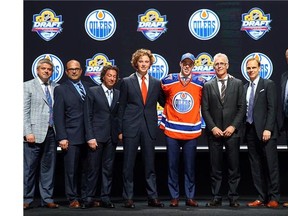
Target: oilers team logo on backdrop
<point>47,24</point>
<point>159,69</point>
<point>204,24</point>
<point>256,23</point>
<point>203,66</point>
<point>95,65</point>
<point>58,66</point>
<point>152,24</point>
<point>100,25</point>
<point>183,102</point>
<point>266,67</point>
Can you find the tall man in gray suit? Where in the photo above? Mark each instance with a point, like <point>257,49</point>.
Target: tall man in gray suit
<point>223,110</point>
<point>101,125</point>
<point>261,135</point>
<point>70,130</point>
<point>138,122</point>
<point>39,138</point>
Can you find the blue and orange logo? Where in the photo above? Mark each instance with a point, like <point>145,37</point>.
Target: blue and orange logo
<point>204,24</point>
<point>58,66</point>
<point>100,25</point>
<point>266,67</point>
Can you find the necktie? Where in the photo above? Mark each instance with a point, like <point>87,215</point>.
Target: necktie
<point>250,105</point>
<point>223,89</point>
<point>49,100</point>
<point>109,96</point>
<point>81,90</point>
<point>144,89</point>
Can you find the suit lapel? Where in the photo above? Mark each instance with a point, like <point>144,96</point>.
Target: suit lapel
<point>73,89</point>
<point>38,88</point>
<point>215,88</point>
<point>102,94</point>
<point>135,83</point>
<point>260,86</point>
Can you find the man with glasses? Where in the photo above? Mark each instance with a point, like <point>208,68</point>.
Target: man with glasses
<point>223,109</point>
<point>181,123</point>
<point>70,130</point>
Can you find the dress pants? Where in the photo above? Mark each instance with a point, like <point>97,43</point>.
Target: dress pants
<point>264,165</point>
<point>189,154</point>
<point>100,164</point>
<point>40,156</point>
<point>130,145</point>
<point>232,148</point>
<point>75,170</point>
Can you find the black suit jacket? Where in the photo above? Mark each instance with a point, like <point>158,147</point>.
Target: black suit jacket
<point>133,112</point>
<point>101,120</point>
<point>265,108</point>
<point>68,113</point>
<point>231,112</point>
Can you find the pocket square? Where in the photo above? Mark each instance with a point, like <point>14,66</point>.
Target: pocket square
<point>261,90</point>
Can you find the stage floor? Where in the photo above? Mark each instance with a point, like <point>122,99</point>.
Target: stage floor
<point>142,209</point>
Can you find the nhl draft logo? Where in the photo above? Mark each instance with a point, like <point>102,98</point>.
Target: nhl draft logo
<point>152,24</point>
<point>47,24</point>
<point>58,66</point>
<point>266,67</point>
<point>95,65</point>
<point>183,102</point>
<point>204,66</point>
<point>100,25</point>
<point>204,24</point>
<point>256,23</point>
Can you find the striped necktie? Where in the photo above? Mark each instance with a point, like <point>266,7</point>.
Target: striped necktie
<point>223,89</point>
<point>81,91</point>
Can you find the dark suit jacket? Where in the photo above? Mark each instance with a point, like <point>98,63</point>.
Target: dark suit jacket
<point>265,108</point>
<point>284,119</point>
<point>101,120</point>
<point>132,111</point>
<point>68,113</point>
<point>231,112</point>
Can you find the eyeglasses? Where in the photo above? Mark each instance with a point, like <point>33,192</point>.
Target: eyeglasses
<point>73,69</point>
<point>220,64</point>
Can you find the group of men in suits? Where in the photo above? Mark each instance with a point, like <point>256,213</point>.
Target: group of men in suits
<point>89,121</point>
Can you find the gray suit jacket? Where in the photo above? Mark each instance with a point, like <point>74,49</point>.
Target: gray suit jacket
<point>36,109</point>
<point>231,112</point>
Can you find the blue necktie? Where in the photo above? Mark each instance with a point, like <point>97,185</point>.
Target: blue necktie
<point>49,100</point>
<point>250,105</point>
<point>82,92</point>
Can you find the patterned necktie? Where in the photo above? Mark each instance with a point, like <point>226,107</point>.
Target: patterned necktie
<point>109,96</point>
<point>250,105</point>
<point>49,100</point>
<point>223,89</point>
<point>81,90</point>
<point>144,89</point>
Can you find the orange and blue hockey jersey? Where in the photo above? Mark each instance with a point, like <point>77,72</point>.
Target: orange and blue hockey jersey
<point>181,117</point>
